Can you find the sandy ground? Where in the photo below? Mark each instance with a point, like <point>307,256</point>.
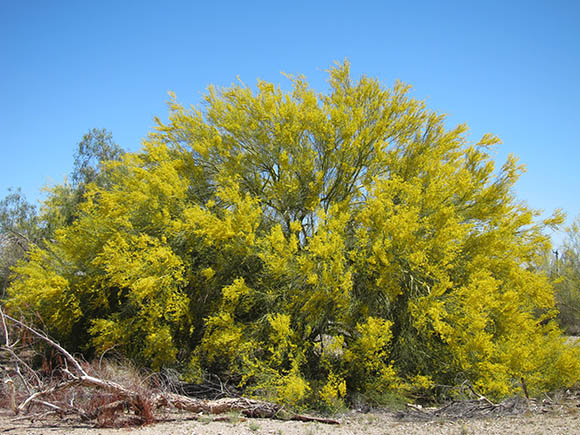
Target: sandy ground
<point>373,423</point>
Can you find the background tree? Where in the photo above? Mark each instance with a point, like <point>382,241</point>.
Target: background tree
<point>19,229</point>
<point>96,148</point>
<point>566,271</point>
<point>22,225</point>
<point>309,247</point>
<point>93,151</point>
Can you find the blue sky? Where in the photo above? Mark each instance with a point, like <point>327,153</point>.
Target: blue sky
<point>510,68</point>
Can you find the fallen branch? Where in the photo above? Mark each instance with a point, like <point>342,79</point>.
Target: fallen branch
<point>142,405</point>
<point>247,407</point>
<point>45,338</point>
<point>54,389</point>
<point>478,408</point>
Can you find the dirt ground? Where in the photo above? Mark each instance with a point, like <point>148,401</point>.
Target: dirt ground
<point>553,423</point>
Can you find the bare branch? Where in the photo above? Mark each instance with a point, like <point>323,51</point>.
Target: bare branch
<point>51,342</point>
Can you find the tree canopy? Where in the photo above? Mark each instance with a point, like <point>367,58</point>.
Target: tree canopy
<point>310,247</point>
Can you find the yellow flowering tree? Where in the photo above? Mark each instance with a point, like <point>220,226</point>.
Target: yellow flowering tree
<point>311,247</point>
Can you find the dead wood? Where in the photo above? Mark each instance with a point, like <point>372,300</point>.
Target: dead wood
<point>247,407</point>
<point>464,409</point>
<point>122,398</point>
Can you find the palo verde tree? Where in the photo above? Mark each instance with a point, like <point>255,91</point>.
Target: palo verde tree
<point>311,247</point>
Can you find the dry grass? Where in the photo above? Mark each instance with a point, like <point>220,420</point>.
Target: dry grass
<point>103,408</point>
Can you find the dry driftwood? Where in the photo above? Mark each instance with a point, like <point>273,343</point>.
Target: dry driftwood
<point>248,407</point>
<point>461,409</point>
<point>142,405</point>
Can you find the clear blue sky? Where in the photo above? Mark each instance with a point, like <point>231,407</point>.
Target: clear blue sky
<point>511,68</point>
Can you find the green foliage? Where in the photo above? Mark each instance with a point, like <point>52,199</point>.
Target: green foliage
<point>566,273</point>
<point>93,151</point>
<point>19,230</point>
<point>313,248</point>
<point>95,148</point>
